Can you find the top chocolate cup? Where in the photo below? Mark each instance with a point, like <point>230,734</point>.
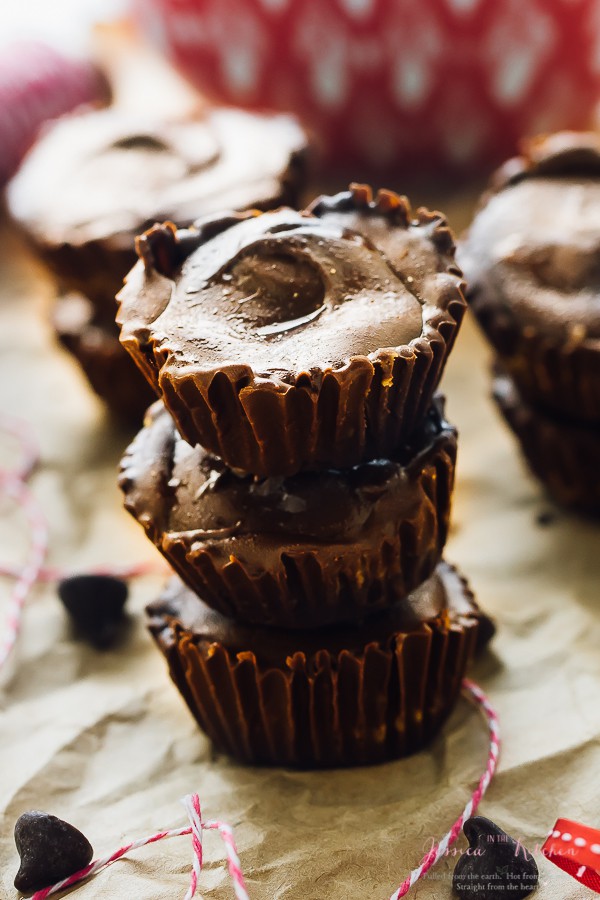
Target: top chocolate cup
<point>95,181</point>
<point>296,340</point>
<point>532,263</point>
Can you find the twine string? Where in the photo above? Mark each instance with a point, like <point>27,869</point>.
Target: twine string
<point>476,695</point>
<point>14,485</point>
<point>192,805</point>
<point>13,482</point>
<point>197,826</point>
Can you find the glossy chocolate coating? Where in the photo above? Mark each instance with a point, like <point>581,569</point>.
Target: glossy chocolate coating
<point>301,551</point>
<point>288,340</point>
<point>282,290</point>
<point>532,263</point>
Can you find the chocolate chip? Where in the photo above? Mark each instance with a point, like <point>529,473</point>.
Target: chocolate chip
<point>485,631</point>
<point>495,865</point>
<point>546,517</point>
<point>95,604</point>
<point>50,850</point>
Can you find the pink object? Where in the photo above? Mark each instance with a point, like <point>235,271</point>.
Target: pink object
<point>36,84</point>
<point>395,85</point>
<point>192,805</point>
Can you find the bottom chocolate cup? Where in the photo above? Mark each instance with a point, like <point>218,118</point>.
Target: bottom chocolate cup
<point>108,368</point>
<point>562,453</point>
<point>334,697</point>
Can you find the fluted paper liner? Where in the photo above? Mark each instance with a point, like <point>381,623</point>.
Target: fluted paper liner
<point>350,707</point>
<point>564,455</point>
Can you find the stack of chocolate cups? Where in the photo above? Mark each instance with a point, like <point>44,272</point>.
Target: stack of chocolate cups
<point>532,263</point>
<point>297,474</point>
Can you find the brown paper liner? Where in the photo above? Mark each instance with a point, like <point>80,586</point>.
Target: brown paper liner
<point>307,583</point>
<point>334,417</point>
<point>563,454</point>
<point>563,379</point>
<point>342,708</point>
<point>108,368</point>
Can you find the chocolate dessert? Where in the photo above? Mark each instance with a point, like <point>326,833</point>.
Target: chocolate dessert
<point>298,475</point>
<point>296,552</point>
<point>285,340</point>
<point>532,263</point>
<point>113,174</point>
<point>331,697</point>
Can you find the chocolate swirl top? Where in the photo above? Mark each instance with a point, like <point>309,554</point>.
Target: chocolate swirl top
<point>533,249</point>
<point>284,293</point>
<point>107,175</point>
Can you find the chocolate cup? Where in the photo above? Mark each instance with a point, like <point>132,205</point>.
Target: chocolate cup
<point>535,296</point>
<point>301,552</point>
<point>108,369</point>
<point>562,379</point>
<point>91,254</point>
<point>345,697</point>
<point>275,418</point>
<point>563,454</point>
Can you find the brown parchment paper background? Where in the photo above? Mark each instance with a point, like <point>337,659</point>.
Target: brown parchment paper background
<point>103,739</point>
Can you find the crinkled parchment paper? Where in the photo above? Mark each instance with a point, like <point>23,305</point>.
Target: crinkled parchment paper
<point>103,739</point>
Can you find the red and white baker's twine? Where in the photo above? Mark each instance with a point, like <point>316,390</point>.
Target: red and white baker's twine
<point>13,482</point>
<point>197,826</point>
<point>438,850</point>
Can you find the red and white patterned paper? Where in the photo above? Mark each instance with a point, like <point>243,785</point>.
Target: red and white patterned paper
<point>394,83</point>
<point>575,848</point>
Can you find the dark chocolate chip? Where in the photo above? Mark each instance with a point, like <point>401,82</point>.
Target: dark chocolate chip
<point>50,850</point>
<point>495,865</point>
<point>95,604</point>
<point>546,517</point>
<point>485,631</point>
